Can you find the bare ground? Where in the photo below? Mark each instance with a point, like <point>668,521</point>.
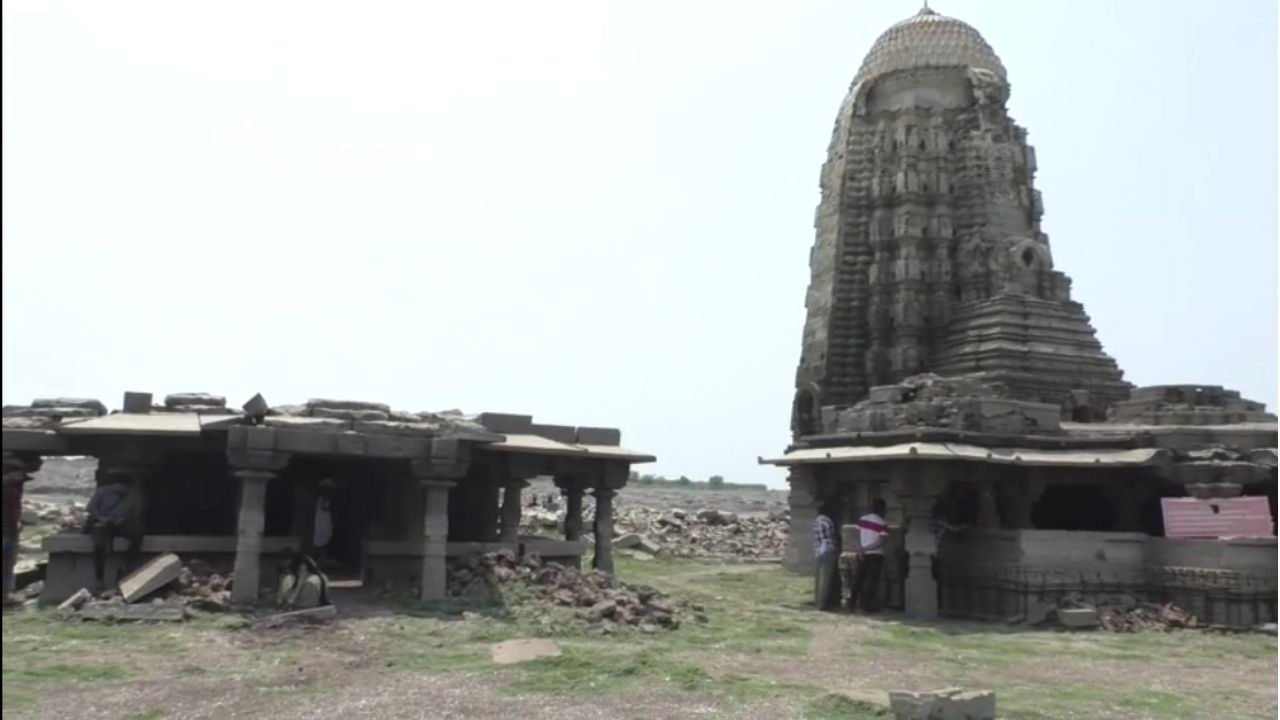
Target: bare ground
<point>763,654</point>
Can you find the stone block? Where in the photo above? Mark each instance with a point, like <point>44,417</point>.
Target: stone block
<point>305,441</point>
<point>517,651</point>
<point>256,406</point>
<point>559,433</point>
<point>505,423</point>
<point>949,704</point>
<point>182,399</point>
<point>1078,618</point>
<point>886,393</point>
<point>76,601</point>
<point>137,402</point>
<point>364,415</point>
<point>84,403</point>
<point>445,448</point>
<point>260,438</point>
<point>599,436</point>
<point>328,404</point>
<point>150,577</point>
<point>351,443</point>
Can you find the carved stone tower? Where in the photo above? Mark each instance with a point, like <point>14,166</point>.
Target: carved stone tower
<point>929,255</point>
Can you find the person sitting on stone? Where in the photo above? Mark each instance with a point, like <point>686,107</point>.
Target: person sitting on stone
<point>302,585</point>
<point>115,510</point>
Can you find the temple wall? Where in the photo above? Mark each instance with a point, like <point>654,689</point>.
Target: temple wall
<point>1000,574</point>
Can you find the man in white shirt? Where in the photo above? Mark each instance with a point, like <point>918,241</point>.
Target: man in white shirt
<point>872,531</point>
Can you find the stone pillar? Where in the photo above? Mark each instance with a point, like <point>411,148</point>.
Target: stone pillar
<point>304,513</point>
<point>253,494</point>
<point>988,516</point>
<point>918,485</point>
<point>433,583</point>
<point>511,508</point>
<point>1126,506</point>
<point>1020,495</point>
<point>604,529</point>
<point>573,511</point>
<point>920,589</point>
<point>804,508</point>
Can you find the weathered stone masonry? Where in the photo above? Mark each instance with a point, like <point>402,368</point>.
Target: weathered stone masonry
<point>929,256</point>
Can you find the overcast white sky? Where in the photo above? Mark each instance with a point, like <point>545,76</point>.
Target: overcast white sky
<point>594,212</point>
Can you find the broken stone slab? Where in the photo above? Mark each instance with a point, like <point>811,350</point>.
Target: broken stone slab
<point>360,415</point>
<point>76,601</point>
<point>29,423</point>
<point>256,406</point>
<point>320,614</point>
<point>627,541</point>
<point>147,579</point>
<point>518,651</point>
<point>194,398</point>
<point>132,613</point>
<point>27,572</point>
<point>328,404</point>
<point>948,704</point>
<point>84,403</point>
<point>1078,618</point>
<point>51,411</point>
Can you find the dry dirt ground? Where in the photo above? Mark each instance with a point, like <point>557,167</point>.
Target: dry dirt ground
<point>762,654</point>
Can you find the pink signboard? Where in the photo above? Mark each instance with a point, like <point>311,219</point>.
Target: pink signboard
<point>1216,517</point>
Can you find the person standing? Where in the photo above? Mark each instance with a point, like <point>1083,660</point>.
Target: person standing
<point>872,531</point>
<point>322,527</point>
<point>15,476</point>
<point>826,552</point>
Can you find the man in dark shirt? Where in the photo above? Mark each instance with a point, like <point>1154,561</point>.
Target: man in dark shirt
<point>15,476</point>
<point>115,510</point>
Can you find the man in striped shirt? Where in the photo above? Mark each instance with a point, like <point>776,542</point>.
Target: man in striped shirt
<point>826,552</point>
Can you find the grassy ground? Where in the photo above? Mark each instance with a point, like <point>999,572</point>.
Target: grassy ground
<point>762,653</point>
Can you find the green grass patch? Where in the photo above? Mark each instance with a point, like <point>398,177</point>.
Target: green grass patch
<point>1051,702</point>
<point>839,707</point>
<point>581,668</point>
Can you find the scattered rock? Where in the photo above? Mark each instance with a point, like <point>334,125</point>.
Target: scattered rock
<point>598,597</point>
<point>518,651</point>
<point>150,577</point>
<point>1078,618</point>
<point>76,601</point>
<point>949,704</point>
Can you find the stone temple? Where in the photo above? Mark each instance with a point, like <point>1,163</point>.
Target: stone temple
<point>929,254</point>
<point>946,368</point>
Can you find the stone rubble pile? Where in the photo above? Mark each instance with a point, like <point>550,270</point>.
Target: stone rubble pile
<point>1127,615</point>
<point>63,516</point>
<point>598,597</point>
<point>678,533</point>
<point>361,411</point>
<point>707,533</point>
<point>45,413</point>
<point>196,587</point>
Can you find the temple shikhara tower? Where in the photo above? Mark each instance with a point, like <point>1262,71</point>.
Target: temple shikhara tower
<point>946,370</point>
<point>929,254</point>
